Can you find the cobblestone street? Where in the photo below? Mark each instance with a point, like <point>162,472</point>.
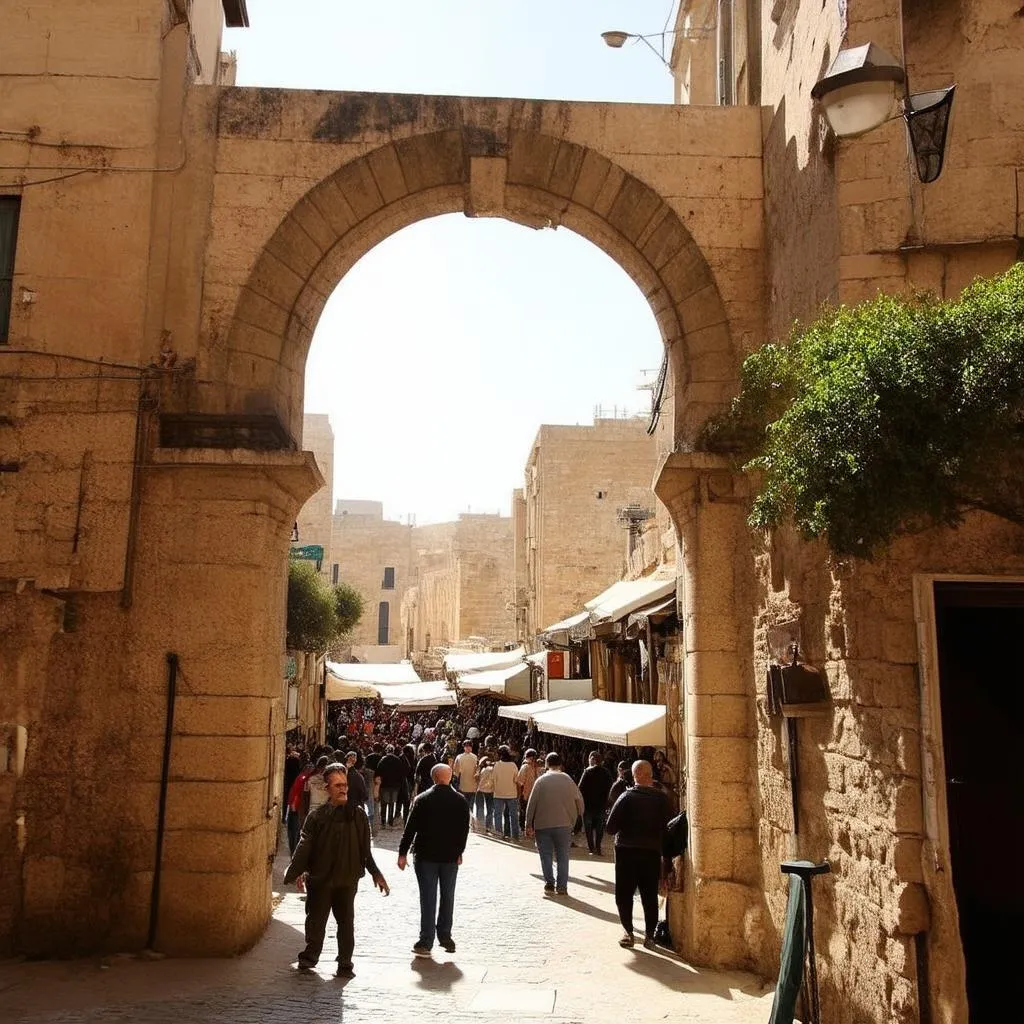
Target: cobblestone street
<point>519,955</point>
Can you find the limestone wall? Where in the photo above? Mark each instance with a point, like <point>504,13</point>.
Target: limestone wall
<point>577,478</point>
<point>465,579</point>
<point>363,546</point>
<point>315,519</point>
<point>862,802</point>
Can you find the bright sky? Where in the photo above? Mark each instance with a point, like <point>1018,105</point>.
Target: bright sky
<point>443,350</point>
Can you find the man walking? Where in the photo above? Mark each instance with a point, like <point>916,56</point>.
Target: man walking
<point>638,822</point>
<point>464,772</point>
<point>554,805</point>
<point>595,784</point>
<point>392,770</point>
<point>333,853</point>
<point>437,830</point>
<point>528,774</point>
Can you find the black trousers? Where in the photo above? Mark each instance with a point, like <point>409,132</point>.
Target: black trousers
<point>593,825</point>
<point>637,869</point>
<point>321,901</point>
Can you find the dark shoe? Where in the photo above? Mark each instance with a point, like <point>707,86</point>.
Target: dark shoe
<point>420,950</point>
<point>649,943</point>
<point>345,971</point>
<point>448,945</point>
<point>305,967</point>
<point>549,886</point>
<point>561,892</point>
<point>626,942</point>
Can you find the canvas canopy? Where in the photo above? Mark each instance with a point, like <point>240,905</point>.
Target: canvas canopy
<point>513,682</point>
<point>605,721</point>
<point>481,662</point>
<point>386,674</point>
<point>558,634</point>
<point>414,696</point>
<point>524,712</point>
<point>343,689</point>
<point>627,596</point>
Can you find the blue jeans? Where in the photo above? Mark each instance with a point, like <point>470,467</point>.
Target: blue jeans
<point>485,809</point>
<point>555,841</point>
<point>431,875</point>
<point>506,816</point>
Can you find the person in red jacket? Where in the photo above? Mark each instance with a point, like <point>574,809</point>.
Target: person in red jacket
<point>296,796</point>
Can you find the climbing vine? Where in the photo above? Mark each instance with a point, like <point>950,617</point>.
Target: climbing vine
<point>886,418</point>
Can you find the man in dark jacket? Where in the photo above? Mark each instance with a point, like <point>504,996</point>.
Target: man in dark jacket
<point>437,829</point>
<point>595,784</point>
<point>333,853</point>
<point>638,822</point>
<point>393,771</point>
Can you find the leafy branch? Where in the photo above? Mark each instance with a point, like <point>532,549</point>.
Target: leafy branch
<point>896,415</point>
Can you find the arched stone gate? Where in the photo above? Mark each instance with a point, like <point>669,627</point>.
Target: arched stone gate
<point>281,192</point>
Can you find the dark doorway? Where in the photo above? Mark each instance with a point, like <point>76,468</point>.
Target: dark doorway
<point>980,630</point>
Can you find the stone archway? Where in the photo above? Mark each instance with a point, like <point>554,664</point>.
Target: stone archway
<point>418,157</point>
<point>280,194</point>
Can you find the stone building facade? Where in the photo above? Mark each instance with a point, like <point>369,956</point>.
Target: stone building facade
<point>572,544</point>
<point>315,520</point>
<point>463,584</point>
<point>375,556</point>
<point>175,242</point>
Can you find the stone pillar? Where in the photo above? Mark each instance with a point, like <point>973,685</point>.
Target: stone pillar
<point>714,917</point>
<point>211,587</point>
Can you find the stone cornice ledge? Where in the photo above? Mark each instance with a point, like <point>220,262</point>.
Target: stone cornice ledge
<point>294,472</point>
<point>680,473</point>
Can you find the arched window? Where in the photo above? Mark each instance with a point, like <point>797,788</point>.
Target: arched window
<point>383,622</point>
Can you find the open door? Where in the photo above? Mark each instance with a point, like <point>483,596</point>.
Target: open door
<point>980,641</point>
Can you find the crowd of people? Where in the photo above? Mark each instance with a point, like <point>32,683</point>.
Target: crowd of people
<point>441,773</point>
<point>495,763</point>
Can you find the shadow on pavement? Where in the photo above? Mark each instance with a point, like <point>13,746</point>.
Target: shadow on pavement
<point>434,976</point>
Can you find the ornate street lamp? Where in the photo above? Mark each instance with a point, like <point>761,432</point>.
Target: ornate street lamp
<point>866,86</point>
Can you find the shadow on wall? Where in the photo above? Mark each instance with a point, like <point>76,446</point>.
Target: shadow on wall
<point>803,266</point>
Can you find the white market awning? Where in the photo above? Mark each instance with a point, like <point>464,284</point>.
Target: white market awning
<point>430,694</point>
<point>343,689</point>
<point>513,682</point>
<point>384,674</point>
<point>627,596</point>
<point>605,721</point>
<point>471,661</point>
<point>559,634</point>
<point>524,712</point>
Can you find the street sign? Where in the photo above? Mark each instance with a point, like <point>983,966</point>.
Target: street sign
<point>308,553</point>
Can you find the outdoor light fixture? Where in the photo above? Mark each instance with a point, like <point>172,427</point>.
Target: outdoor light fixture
<point>865,87</point>
<point>616,39</point>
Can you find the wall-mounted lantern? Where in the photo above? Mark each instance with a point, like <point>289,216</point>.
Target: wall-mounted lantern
<point>866,86</point>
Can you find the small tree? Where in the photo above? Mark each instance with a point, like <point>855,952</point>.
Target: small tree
<point>896,415</point>
<point>312,609</point>
<point>348,605</point>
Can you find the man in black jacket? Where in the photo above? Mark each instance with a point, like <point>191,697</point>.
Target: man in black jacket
<point>332,855</point>
<point>638,822</point>
<point>393,771</point>
<point>595,784</point>
<point>437,829</point>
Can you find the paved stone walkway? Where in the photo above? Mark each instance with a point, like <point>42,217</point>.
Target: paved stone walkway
<point>520,955</point>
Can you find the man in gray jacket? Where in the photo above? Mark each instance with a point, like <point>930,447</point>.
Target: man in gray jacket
<point>554,805</point>
<point>332,855</point>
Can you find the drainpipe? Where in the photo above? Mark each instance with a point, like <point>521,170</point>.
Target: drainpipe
<point>165,770</point>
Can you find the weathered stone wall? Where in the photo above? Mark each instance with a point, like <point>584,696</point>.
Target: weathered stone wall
<point>577,478</point>
<point>861,791</point>
<point>464,582</point>
<point>363,546</point>
<point>315,520</point>
<point>483,548</point>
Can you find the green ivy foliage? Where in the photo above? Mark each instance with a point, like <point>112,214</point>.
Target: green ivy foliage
<point>317,612</point>
<point>893,416</point>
